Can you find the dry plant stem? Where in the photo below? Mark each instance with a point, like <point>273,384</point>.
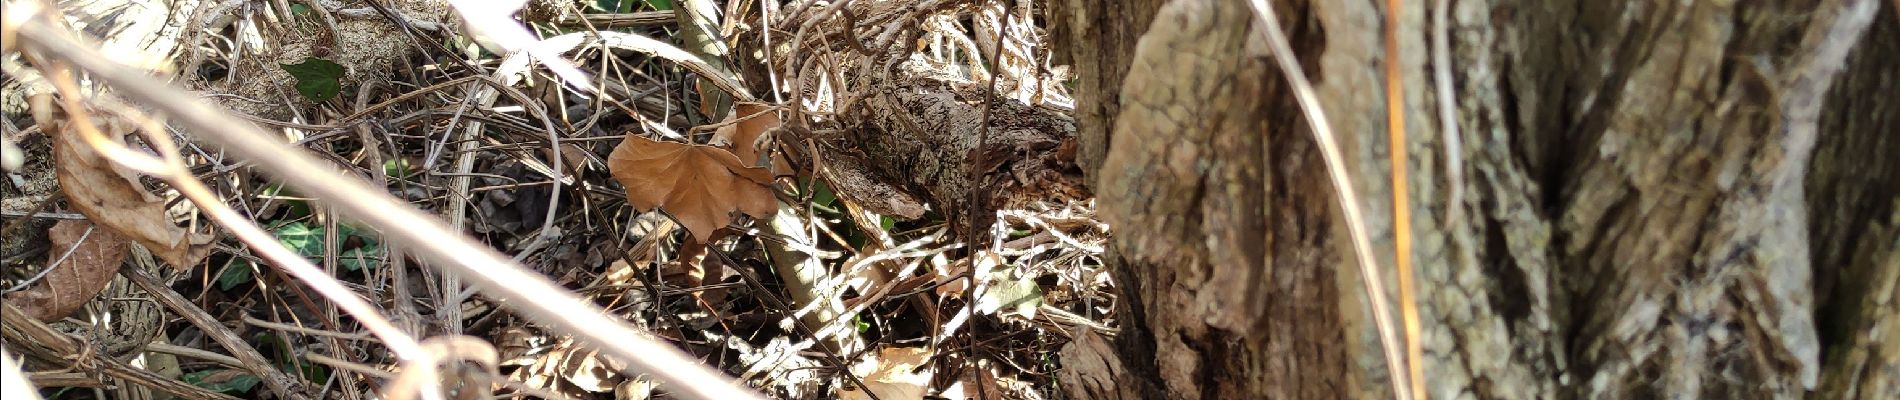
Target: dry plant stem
<point>172,170</point>
<point>241,351</point>
<point>1401,199</point>
<point>628,20</point>
<point>1448,110</point>
<point>699,32</point>
<point>62,78</point>
<point>1342,186</point>
<point>526,292</point>
<point>42,342</point>
<point>194,353</point>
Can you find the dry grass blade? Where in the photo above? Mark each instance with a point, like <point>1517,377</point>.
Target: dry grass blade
<point>1348,196</point>
<point>1401,199</point>
<point>621,40</point>
<point>48,344</point>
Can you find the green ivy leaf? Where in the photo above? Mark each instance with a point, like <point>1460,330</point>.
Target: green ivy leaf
<point>236,272</point>
<point>362,257</point>
<point>300,238</point>
<point>821,194</point>
<point>317,79</point>
<point>396,168</point>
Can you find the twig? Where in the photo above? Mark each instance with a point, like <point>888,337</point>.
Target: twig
<point>194,353</point>
<point>171,169</point>
<point>55,344</point>
<point>528,293</point>
<point>1448,110</point>
<point>46,215</point>
<point>241,350</point>
<point>1401,200</point>
<point>1347,195</point>
<point>638,19</point>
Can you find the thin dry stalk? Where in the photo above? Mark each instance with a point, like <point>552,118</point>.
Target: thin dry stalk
<point>1347,196</point>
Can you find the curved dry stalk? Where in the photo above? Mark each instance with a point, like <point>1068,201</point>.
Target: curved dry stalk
<point>1342,186</point>
<point>517,288</point>
<point>171,169</point>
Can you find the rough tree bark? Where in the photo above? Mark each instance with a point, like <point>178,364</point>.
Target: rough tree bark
<point>1664,199</point>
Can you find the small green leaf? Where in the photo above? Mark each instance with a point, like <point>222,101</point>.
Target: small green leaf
<point>300,238</point>
<point>396,168</point>
<point>822,194</point>
<point>361,257</point>
<point>236,272</point>
<point>661,5</point>
<point>317,79</point>
<point>299,9</point>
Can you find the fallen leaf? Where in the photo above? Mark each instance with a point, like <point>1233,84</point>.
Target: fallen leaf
<point>634,389</point>
<point>700,186</point>
<point>889,375</point>
<point>586,371</point>
<point>1009,294</point>
<point>744,135</point>
<point>73,282</point>
<point>112,196</point>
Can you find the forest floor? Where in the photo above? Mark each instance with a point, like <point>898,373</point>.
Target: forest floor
<point>745,257</point>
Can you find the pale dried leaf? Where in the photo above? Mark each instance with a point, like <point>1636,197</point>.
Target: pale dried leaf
<point>81,276</point>
<point>700,186</point>
<point>634,389</point>
<point>114,198</point>
<point>889,374</point>
<point>585,370</point>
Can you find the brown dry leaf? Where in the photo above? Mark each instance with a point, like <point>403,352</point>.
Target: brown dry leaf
<point>587,371</point>
<point>113,197</point>
<point>744,135</point>
<point>889,375</point>
<point>700,186</point>
<point>81,276</point>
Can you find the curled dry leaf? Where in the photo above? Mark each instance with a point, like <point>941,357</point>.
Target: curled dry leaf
<point>113,197</point>
<point>700,186</point>
<point>81,276</point>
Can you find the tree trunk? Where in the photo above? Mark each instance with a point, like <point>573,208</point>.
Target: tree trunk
<point>1663,199</point>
